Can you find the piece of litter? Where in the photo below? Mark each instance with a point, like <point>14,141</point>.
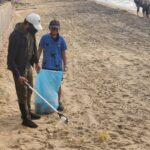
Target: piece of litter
<point>104,135</point>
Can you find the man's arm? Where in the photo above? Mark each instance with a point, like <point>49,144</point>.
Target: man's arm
<point>39,53</point>
<point>12,50</point>
<point>37,66</point>
<point>64,57</point>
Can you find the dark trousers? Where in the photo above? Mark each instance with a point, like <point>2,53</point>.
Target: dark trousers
<point>24,93</point>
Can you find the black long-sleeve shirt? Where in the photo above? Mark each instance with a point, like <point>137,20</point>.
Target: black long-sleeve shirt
<point>18,51</point>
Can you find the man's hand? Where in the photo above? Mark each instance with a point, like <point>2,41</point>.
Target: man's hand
<point>37,68</point>
<point>22,79</point>
<point>65,68</point>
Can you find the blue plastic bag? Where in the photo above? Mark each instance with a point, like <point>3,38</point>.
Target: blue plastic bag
<point>47,85</point>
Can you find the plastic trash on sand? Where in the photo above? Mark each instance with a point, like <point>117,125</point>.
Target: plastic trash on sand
<point>47,85</point>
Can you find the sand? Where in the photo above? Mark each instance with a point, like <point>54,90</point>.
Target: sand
<point>106,91</point>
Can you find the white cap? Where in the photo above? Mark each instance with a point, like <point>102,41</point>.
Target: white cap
<point>35,20</point>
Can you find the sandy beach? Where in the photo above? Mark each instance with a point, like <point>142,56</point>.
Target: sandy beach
<point>106,91</point>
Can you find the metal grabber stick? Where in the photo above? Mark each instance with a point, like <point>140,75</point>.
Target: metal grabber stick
<point>61,116</point>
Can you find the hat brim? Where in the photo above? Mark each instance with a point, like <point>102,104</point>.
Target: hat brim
<point>54,27</point>
<point>38,27</point>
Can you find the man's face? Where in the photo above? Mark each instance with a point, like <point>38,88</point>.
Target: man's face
<point>54,31</point>
<point>31,29</point>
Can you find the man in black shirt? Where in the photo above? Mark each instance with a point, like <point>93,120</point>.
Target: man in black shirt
<point>22,55</point>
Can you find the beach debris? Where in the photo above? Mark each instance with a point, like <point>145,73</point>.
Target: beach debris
<point>104,135</point>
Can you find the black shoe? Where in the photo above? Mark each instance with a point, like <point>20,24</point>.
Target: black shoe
<point>60,107</point>
<point>34,116</point>
<point>29,123</point>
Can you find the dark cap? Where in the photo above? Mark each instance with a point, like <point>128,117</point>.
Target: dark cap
<point>54,24</point>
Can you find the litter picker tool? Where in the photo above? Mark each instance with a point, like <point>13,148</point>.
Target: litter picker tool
<point>61,116</point>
